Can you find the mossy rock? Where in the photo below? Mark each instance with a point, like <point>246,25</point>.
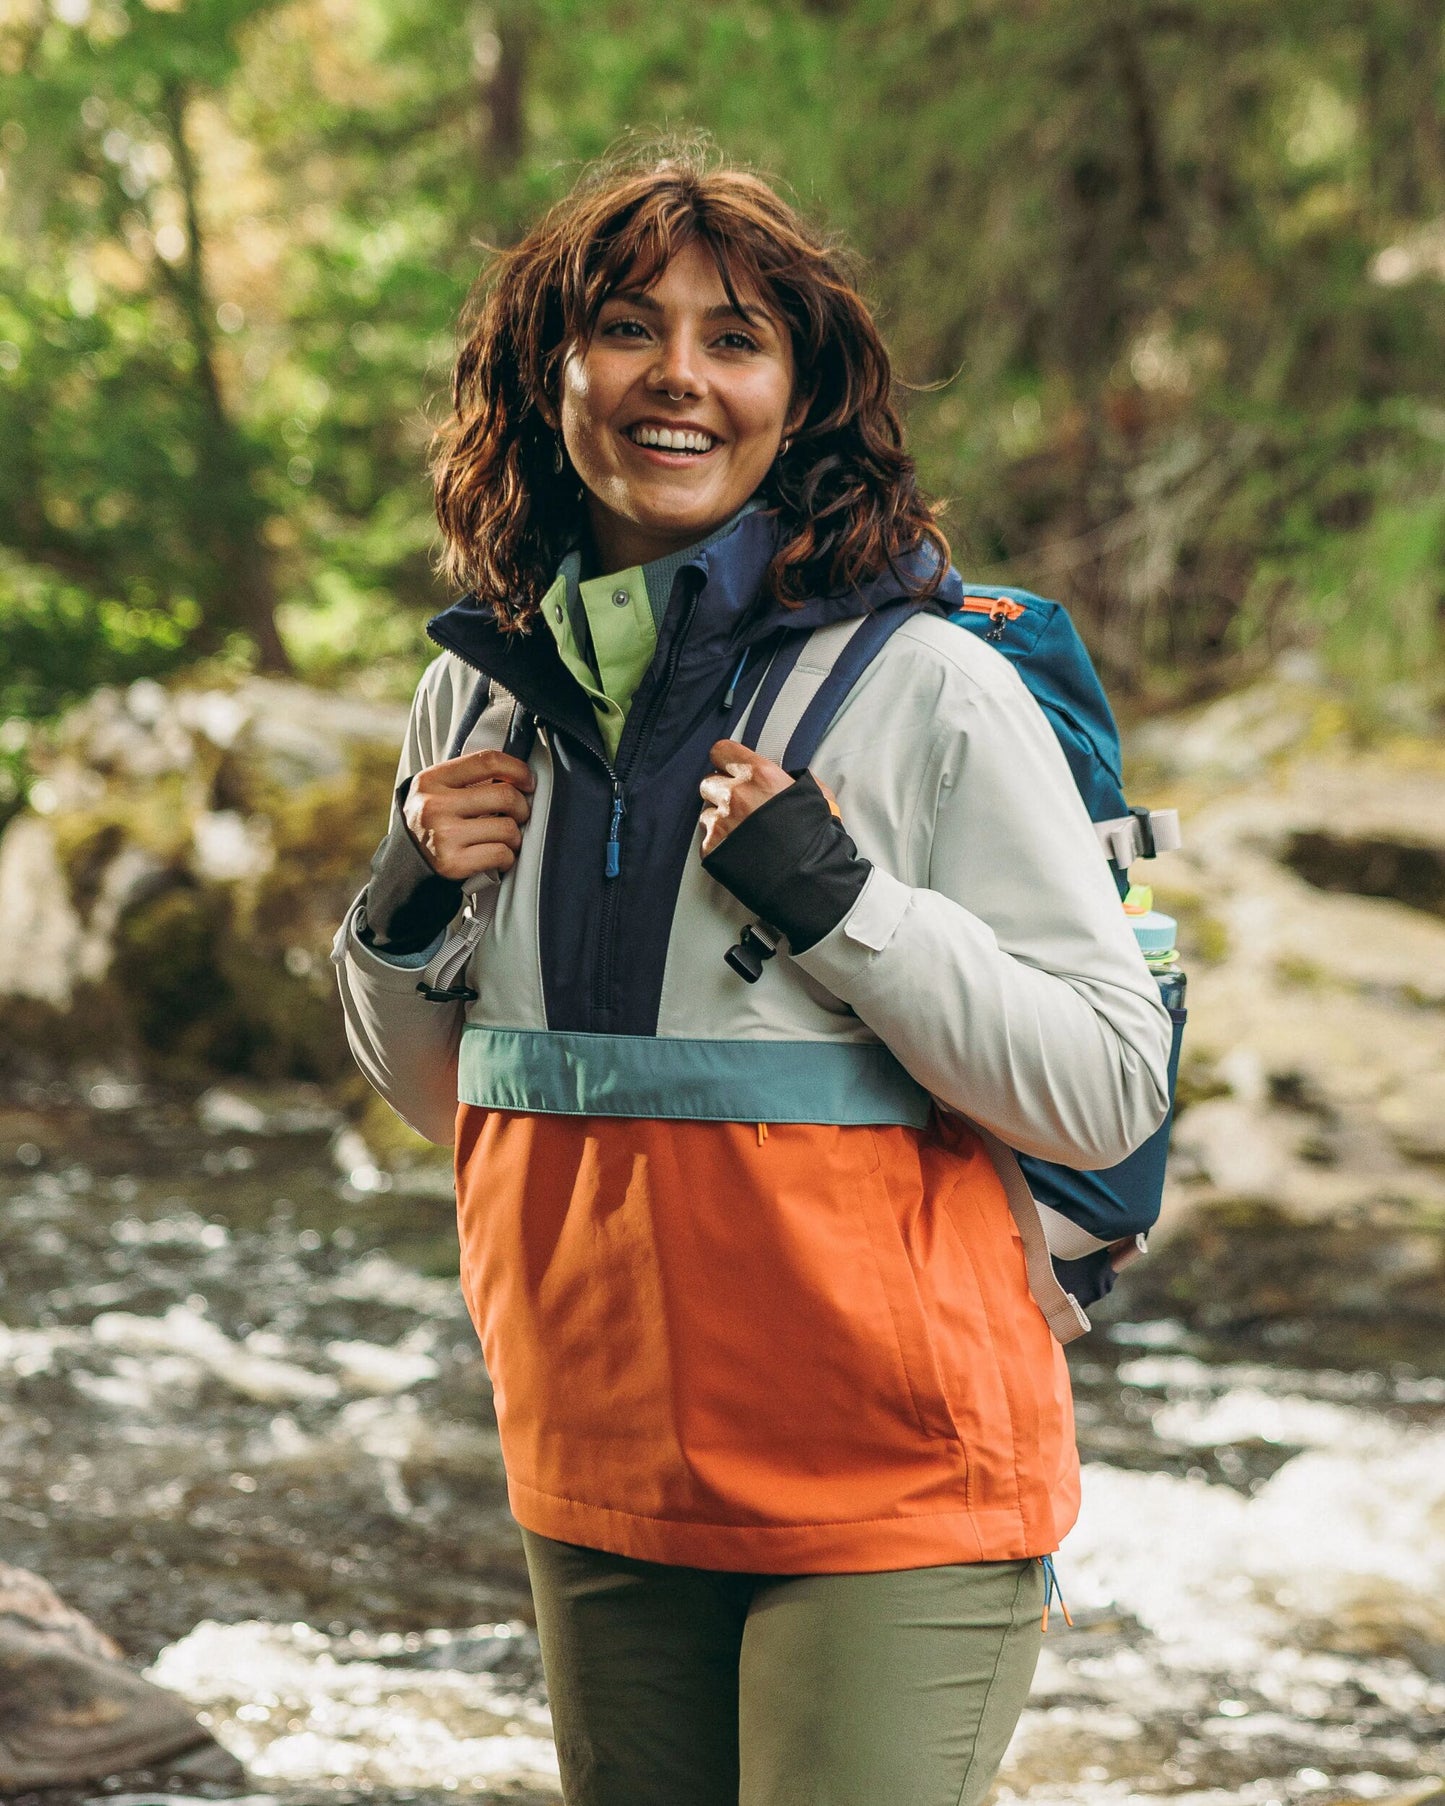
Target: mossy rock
<point>178,968</point>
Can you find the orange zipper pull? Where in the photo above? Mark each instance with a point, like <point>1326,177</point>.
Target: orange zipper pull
<point>999,609</point>
<point>762,1133</point>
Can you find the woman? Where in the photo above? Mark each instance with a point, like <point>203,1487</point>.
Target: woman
<point>785,1432</point>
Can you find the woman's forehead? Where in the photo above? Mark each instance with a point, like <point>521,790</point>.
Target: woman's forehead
<point>694,265</point>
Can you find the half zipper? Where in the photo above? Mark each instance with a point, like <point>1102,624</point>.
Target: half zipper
<point>617,775</point>
<point>636,746</point>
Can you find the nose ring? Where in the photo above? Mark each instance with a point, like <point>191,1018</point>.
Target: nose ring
<point>672,397</point>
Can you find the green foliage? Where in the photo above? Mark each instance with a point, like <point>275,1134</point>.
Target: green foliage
<point>59,640</point>
<point>1168,283</point>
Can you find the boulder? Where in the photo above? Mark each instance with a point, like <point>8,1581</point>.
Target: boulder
<point>71,1711</point>
<point>172,888</point>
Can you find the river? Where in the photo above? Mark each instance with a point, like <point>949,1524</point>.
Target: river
<point>246,1428</point>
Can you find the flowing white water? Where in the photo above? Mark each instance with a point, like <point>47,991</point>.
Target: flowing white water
<point>1286,1639</point>
<point>302,1708</point>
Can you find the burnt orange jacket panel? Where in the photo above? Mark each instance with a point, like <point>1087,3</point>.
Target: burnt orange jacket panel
<point>806,1351</point>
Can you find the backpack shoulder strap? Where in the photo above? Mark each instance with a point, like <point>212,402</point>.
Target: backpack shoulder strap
<point>789,718</point>
<point>1063,1313</point>
<point>495,718</point>
<point>517,736</point>
<point>471,714</point>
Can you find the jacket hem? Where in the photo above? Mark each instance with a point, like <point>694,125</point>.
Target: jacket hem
<point>866,1546</point>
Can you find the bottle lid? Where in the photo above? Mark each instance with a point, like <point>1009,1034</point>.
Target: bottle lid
<point>1155,932</point>
<point>1140,900</point>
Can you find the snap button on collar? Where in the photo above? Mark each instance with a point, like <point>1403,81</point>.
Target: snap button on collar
<point>621,597</point>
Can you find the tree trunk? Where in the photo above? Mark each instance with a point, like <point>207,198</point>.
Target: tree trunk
<point>502,85</point>
<point>230,520</point>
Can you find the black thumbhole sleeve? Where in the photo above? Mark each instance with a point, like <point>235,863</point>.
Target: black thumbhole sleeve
<point>793,863</point>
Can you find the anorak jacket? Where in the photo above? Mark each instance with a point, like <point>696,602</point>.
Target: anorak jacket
<point>746,1279</point>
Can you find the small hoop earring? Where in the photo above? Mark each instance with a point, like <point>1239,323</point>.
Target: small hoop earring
<point>783,448</point>
<point>558,461</point>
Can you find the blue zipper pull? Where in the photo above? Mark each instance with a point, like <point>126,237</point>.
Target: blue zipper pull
<point>736,679</point>
<point>614,833</point>
<point>1052,1590</point>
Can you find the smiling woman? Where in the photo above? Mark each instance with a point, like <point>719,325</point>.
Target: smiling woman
<point>702,302</point>
<point>786,1433</point>
<point>673,412</point>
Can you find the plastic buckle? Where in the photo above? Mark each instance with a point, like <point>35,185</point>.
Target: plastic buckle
<point>752,949</point>
<point>456,994</point>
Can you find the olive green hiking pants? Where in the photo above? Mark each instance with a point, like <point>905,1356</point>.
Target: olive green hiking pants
<point>684,1687</point>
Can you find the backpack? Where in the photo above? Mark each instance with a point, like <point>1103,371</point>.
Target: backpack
<point>1094,1223</point>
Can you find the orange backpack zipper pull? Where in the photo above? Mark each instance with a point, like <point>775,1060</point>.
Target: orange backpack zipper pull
<point>999,609</point>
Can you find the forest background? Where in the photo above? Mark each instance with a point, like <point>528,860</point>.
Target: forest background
<point>1167,278</point>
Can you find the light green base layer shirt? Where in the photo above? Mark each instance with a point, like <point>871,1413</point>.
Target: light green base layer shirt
<point>620,615</point>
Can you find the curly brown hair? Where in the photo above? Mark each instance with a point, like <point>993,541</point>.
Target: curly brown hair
<point>845,492</point>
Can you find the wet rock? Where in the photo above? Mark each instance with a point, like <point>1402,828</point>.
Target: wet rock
<point>70,1711</point>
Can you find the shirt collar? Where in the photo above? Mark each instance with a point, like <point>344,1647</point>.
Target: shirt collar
<point>658,576</point>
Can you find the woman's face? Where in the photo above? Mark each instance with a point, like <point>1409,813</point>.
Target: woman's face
<point>675,410</point>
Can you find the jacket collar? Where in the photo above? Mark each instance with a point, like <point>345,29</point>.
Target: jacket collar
<point>730,613</point>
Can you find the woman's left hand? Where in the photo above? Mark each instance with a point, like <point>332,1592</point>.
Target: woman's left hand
<point>742,780</point>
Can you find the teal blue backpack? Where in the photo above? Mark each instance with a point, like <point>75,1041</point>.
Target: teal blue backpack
<point>1111,1211</point>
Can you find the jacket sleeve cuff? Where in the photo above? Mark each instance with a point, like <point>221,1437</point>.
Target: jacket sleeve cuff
<point>406,904</point>
<point>793,863</point>
<point>844,955</point>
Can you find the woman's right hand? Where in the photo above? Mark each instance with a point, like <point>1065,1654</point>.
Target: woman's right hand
<point>466,814</point>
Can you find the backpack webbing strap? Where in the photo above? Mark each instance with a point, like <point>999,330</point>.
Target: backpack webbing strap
<point>790,683</point>
<point>808,681</point>
<point>775,674</point>
<point>444,979</point>
<point>1141,834</point>
<point>853,657</point>
<point>521,724</point>
<point>1063,1313</point>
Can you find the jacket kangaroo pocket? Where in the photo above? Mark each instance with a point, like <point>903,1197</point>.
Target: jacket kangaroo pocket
<point>905,1306</point>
